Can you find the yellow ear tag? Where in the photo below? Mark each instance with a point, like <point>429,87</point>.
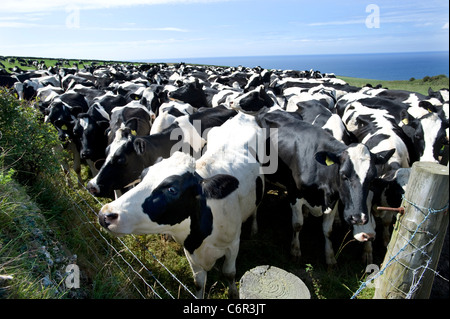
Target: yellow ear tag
<point>64,127</point>
<point>133,132</point>
<point>405,121</point>
<point>328,161</point>
<point>430,111</point>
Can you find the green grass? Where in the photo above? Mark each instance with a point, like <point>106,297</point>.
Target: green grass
<point>49,62</point>
<point>414,85</point>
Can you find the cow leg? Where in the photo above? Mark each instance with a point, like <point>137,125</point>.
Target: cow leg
<point>254,230</point>
<point>200,276</point>
<point>229,269</point>
<point>367,253</point>
<point>327,227</point>
<point>94,170</point>
<point>386,219</point>
<point>117,193</point>
<point>297,224</point>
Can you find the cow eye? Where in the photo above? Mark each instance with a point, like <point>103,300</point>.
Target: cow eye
<point>172,190</point>
<point>119,160</point>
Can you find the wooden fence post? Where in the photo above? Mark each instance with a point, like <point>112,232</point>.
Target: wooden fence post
<point>416,243</point>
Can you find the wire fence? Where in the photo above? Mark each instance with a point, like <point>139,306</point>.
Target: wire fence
<point>122,256</point>
<point>405,252</point>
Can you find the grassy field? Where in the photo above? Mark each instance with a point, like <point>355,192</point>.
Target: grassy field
<point>9,64</point>
<point>414,85</point>
<point>30,182</point>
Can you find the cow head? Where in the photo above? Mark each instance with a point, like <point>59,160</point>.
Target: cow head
<point>90,129</point>
<point>60,116</point>
<point>253,101</point>
<point>123,165</point>
<point>191,93</point>
<point>356,170</point>
<point>171,199</point>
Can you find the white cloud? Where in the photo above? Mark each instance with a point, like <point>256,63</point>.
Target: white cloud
<point>343,22</point>
<point>52,5</point>
<point>126,29</point>
<point>445,26</point>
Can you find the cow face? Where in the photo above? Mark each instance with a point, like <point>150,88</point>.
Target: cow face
<point>253,101</point>
<point>123,165</point>
<point>191,93</point>
<point>356,170</point>
<point>435,137</point>
<point>61,117</point>
<point>90,129</point>
<point>171,199</point>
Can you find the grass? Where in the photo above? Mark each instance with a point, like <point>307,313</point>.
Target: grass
<point>49,62</point>
<point>414,85</point>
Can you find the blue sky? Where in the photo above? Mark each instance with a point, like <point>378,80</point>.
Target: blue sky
<point>163,29</point>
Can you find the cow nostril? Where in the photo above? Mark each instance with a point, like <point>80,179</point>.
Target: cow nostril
<point>85,154</point>
<point>357,220</point>
<point>111,216</point>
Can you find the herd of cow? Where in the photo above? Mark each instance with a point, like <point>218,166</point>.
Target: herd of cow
<point>190,151</point>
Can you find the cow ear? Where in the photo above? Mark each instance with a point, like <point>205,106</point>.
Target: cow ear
<point>198,85</point>
<point>139,146</point>
<point>132,124</point>
<point>219,186</point>
<point>326,158</point>
<point>381,158</point>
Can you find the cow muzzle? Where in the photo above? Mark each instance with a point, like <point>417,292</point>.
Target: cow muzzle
<point>93,188</point>
<point>106,218</point>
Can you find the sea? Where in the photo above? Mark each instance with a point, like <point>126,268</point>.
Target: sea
<point>377,66</point>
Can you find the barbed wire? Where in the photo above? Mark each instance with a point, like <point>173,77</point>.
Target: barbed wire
<point>418,273</point>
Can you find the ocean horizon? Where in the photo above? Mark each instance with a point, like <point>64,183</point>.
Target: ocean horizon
<point>377,66</point>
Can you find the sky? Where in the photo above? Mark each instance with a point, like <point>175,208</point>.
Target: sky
<point>134,30</point>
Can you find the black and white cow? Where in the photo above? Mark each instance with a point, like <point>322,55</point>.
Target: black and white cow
<point>91,127</point>
<point>316,110</point>
<point>376,121</point>
<point>195,94</point>
<point>134,115</point>
<point>318,170</point>
<point>378,129</point>
<point>62,113</point>
<point>168,113</point>
<point>128,155</point>
<point>202,203</point>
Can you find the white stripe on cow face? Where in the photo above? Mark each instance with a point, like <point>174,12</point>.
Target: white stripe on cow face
<point>360,157</point>
<point>84,122</point>
<point>431,125</point>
